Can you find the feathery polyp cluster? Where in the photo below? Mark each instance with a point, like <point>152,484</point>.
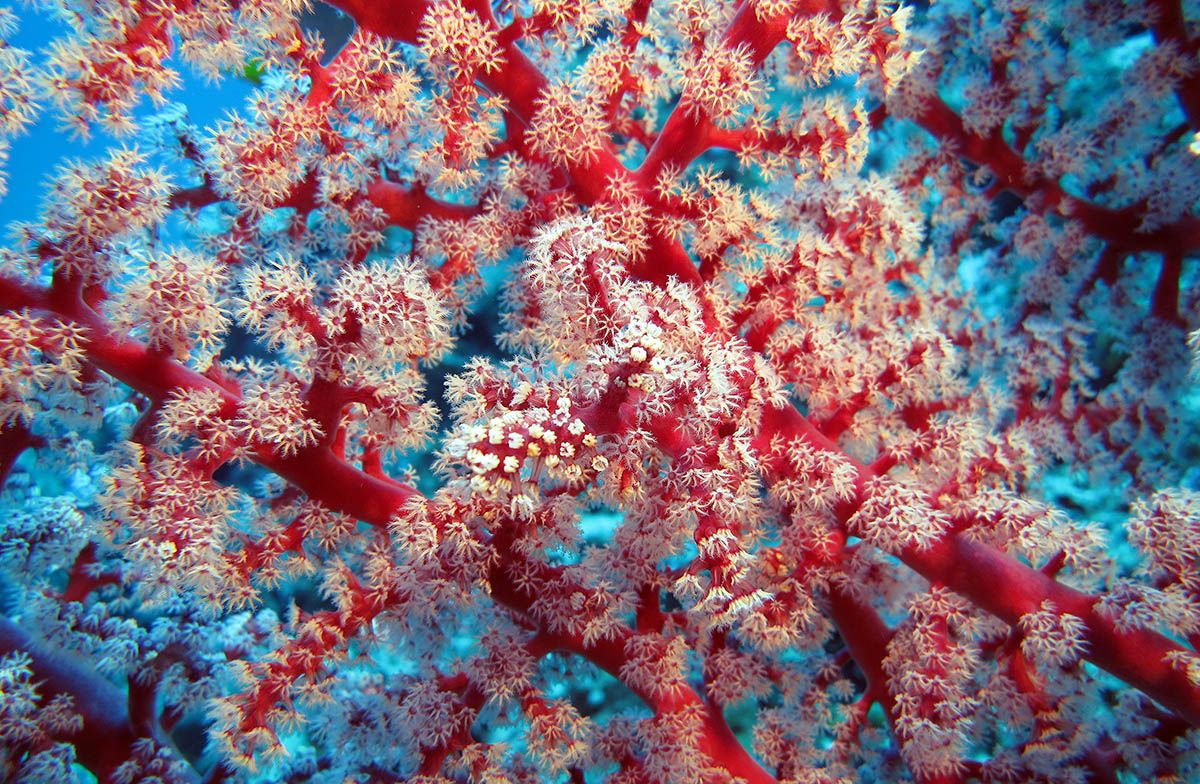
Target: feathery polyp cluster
<point>459,48</point>
<point>568,264</point>
<point>719,83</point>
<point>826,49</point>
<point>1051,638</point>
<point>655,665</point>
<point>101,74</point>
<point>814,479</point>
<point>557,736</point>
<point>172,521</point>
<point>378,315</point>
<point>273,414</point>
<point>37,355</point>
<point>379,321</point>
<point>257,163</point>
<point>673,748</point>
<point>18,106</point>
<point>278,303</point>
<point>930,662</point>
<point>1166,529</point>
<point>198,413</point>
<point>33,728</point>
<point>456,39</point>
<point>402,319</point>
<point>217,44</point>
<point>568,125</point>
<point>894,516</point>
<point>372,81</point>
<point>175,298</point>
<point>92,205</point>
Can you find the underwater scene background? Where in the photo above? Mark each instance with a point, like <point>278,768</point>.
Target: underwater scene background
<point>631,391</point>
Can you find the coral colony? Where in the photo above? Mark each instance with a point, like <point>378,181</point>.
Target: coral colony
<point>631,391</point>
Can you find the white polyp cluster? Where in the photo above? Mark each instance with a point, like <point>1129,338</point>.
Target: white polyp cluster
<point>641,343</point>
<point>516,447</point>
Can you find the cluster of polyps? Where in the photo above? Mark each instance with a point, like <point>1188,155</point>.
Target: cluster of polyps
<point>643,349</point>
<point>518,447</point>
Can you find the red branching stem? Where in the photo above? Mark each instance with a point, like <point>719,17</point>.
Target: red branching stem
<point>609,654</point>
<point>397,19</point>
<point>405,207</point>
<point>82,580</point>
<point>866,636</point>
<point>1009,589</point>
<point>1121,228</point>
<point>316,470</point>
<point>107,737</point>
<point>1165,303</point>
<point>195,197</point>
<point>685,135</point>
